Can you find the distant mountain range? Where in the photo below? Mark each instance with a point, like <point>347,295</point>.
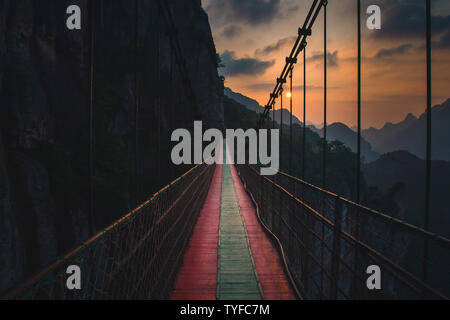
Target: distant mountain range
<point>410,134</point>
<point>253,105</point>
<point>399,175</point>
<point>249,103</point>
<point>341,132</point>
<point>335,131</point>
<point>286,117</point>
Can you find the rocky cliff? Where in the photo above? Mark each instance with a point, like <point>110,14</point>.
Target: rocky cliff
<point>44,117</point>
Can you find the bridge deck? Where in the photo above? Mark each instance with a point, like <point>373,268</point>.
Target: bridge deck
<point>237,279</point>
<point>197,279</point>
<point>229,255</point>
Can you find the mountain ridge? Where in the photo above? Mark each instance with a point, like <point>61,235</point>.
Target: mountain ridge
<point>406,172</point>
<point>410,134</point>
<point>253,105</point>
<point>336,131</point>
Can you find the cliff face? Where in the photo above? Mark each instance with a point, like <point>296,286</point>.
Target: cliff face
<point>44,118</point>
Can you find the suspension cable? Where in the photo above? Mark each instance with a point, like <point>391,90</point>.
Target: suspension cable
<point>158,93</point>
<point>299,45</point>
<point>429,114</point>
<point>324,163</point>
<point>358,173</point>
<point>136,111</point>
<point>180,60</point>
<point>172,104</point>
<point>281,120</point>
<point>358,160</point>
<point>304,116</point>
<point>325,145</point>
<point>290,123</point>
<point>91,122</point>
<point>273,114</point>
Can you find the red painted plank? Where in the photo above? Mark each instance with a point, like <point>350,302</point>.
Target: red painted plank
<point>269,266</point>
<point>197,279</point>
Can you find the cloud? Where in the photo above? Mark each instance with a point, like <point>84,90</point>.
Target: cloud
<point>243,66</point>
<point>261,86</point>
<point>282,43</point>
<point>332,58</point>
<point>231,31</point>
<point>443,42</point>
<point>406,19</point>
<point>253,12</point>
<point>387,53</point>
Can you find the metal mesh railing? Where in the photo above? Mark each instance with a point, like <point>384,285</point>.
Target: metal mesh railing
<point>137,257</point>
<point>329,242</point>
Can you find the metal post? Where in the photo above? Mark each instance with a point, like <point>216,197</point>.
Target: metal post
<point>306,232</point>
<point>336,248</point>
<point>280,210</point>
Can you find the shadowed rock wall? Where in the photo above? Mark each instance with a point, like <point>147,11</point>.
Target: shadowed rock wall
<point>44,118</point>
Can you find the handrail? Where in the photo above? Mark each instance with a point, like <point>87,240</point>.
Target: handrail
<point>278,242</point>
<point>430,235</point>
<point>284,209</point>
<point>71,255</point>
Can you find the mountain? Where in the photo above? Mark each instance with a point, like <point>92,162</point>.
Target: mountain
<point>410,134</point>
<point>405,173</point>
<point>286,119</point>
<point>249,103</point>
<point>341,132</point>
<point>253,105</point>
<point>341,163</point>
<point>335,131</point>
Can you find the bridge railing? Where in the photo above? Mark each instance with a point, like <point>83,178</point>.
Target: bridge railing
<point>330,242</point>
<point>138,256</point>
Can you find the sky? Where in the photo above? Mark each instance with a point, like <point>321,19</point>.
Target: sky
<point>253,37</point>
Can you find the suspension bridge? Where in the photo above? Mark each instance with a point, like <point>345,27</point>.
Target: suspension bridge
<point>227,232</point>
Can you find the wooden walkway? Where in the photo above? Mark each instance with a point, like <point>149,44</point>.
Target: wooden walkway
<point>230,256</point>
